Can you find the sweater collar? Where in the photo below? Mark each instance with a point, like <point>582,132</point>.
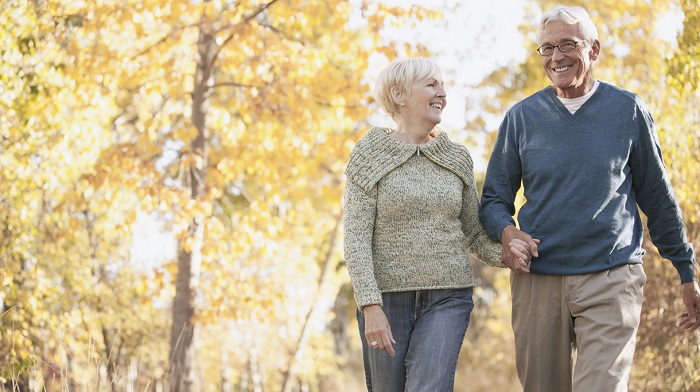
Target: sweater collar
<point>377,153</point>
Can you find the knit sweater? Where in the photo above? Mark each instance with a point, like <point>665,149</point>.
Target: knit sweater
<point>583,176</point>
<point>411,217</point>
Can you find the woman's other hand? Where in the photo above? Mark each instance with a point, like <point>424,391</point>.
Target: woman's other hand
<point>377,329</point>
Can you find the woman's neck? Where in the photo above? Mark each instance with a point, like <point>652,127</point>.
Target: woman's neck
<point>412,135</point>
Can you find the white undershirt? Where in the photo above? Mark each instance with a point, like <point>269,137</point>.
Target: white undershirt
<point>573,104</point>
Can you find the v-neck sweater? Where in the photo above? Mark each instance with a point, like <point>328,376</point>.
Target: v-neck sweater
<point>411,217</point>
<point>583,176</point>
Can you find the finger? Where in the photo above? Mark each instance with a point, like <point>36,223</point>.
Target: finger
<point>388,340</point>
<point>516,265</point>
<point>511,264</point>
<point>520,245</point>
<point>687,321</point>
<point>692,315</point>
<point>524,263</point>
<point>520,254</point>
<point>518,241</point>
<point>533,246</point>
<point>389,347</point>
<point>525,266</point>
<point>684,321</point>
<point>688,326</point>
<point>372,343</point>
<point>521,268</point>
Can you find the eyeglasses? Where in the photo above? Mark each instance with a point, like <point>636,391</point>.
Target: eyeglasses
<point>564,47</point>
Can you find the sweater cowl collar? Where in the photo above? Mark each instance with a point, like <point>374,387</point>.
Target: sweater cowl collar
<point>377,153</point>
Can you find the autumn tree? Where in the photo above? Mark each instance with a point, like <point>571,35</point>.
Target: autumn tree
<point>25,103</point>
<point>229,123</point>
<point>68,287</point>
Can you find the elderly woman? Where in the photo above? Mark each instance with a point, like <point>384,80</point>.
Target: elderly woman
<point>411,217</point>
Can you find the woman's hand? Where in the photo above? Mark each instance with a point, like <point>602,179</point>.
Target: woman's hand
<point>377,329</point>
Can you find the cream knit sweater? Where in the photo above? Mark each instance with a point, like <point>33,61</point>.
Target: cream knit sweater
<point>411,217</point>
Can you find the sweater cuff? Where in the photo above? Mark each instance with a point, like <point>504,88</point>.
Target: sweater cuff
<point>502,225</point>
<point>686,271</point>
<point>364,299</point>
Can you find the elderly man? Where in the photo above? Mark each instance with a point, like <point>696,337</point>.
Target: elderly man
<point>587,155</point>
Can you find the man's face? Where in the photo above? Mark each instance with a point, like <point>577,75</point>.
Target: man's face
<point>570,72</point>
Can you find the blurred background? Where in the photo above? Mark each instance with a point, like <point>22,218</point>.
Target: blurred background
<point>171,176</point>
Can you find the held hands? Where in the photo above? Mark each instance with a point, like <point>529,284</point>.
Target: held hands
<point>690,320</point>
<point>518,249</point>
<point>377,329</point>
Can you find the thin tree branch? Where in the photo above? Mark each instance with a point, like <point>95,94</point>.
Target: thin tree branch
<point>244,20</point>
<point>233,84</point>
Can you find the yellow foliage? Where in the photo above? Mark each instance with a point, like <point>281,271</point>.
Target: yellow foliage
<point>98,120</point>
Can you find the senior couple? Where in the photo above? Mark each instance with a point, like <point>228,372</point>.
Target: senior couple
<point>587,156</point>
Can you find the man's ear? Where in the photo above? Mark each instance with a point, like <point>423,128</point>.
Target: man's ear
<point>397,96</point>
<point>595,50</point>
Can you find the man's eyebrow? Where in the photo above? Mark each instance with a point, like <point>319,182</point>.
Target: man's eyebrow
<point>568,39</point>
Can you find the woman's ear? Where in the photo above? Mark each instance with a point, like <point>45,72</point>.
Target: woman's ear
<point>397,96</point>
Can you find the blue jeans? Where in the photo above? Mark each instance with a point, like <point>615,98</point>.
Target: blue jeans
<point>429,328</point>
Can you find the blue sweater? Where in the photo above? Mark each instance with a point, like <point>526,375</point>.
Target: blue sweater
<point>583,175</point>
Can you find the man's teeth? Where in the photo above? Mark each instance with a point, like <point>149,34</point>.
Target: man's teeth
<point>562,69</point>
<point>435,105</point>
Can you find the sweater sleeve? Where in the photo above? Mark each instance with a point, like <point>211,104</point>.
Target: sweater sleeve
<point>503,178</point>
<point>478,243</point>
<point>657,200</point>
<point>360,214</point>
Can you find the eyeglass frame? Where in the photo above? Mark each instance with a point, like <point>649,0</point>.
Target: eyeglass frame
<point>540,49</point>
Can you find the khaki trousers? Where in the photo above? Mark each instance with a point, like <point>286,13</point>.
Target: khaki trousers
<point>576,332</point>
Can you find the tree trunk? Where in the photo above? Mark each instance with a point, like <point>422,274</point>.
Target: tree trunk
<point>182,339</point>
<point>340,326</point>
<point>112,359</point>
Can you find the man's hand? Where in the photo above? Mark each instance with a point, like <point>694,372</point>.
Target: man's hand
<point>518,249</point>
<point>690,320</point>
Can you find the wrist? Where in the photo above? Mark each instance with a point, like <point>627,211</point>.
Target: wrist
<point>506,230</point>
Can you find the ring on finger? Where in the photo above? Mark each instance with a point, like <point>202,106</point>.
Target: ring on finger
<point>374,344</point>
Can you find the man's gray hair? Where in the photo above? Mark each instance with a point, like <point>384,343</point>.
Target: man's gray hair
<point>570,15</point>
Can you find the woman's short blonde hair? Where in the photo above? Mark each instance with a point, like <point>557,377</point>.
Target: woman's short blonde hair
<point>402,73</point>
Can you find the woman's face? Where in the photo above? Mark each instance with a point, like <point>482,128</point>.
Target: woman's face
<point>426,101</point>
